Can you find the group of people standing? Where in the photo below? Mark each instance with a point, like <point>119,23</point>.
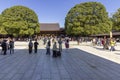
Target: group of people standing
<point>105,42</point>
<point>57,49</point>
<point>30,46</point>
<point>7,45</point>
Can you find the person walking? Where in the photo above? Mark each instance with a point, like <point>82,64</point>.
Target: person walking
<point>30,46</point>
<point>36,46</point>
<point>67,44</point>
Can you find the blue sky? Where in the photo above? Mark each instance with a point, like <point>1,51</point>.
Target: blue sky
<point>54,11</point>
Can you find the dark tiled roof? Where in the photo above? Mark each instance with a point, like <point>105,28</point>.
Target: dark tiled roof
<point>116,33</point>
<point>49,27</point>
<point>62,29</point>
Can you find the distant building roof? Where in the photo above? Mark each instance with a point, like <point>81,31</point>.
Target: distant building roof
<point>107,34</point>
<point>49,27</point>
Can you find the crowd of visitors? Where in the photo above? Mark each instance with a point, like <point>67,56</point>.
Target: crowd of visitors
<point>7,44</point>
<point>56,43</point>
<point>105,42</point>
<point>47,41</point>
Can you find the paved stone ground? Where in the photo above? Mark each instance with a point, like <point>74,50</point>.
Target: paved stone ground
<point>99,51</point>
<point>74,64</point>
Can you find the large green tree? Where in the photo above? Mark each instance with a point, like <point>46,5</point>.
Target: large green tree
<point>116,20</point>
<point>20,20</point>
<point>2,30</point>
<point>87,18</point>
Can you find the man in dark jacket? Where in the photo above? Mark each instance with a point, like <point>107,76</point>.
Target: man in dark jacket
<point>36,46</point>
<point>4,47</point>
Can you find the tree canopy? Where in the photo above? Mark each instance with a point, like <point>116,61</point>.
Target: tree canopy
<point>2,30</point>
<point>87,18</point>
<point>116,20</point>
<point>19,20</point>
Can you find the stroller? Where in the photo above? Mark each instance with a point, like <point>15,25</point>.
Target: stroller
<point>57,53</point>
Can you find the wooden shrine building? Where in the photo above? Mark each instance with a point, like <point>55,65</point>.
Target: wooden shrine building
<point>51,29</point>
